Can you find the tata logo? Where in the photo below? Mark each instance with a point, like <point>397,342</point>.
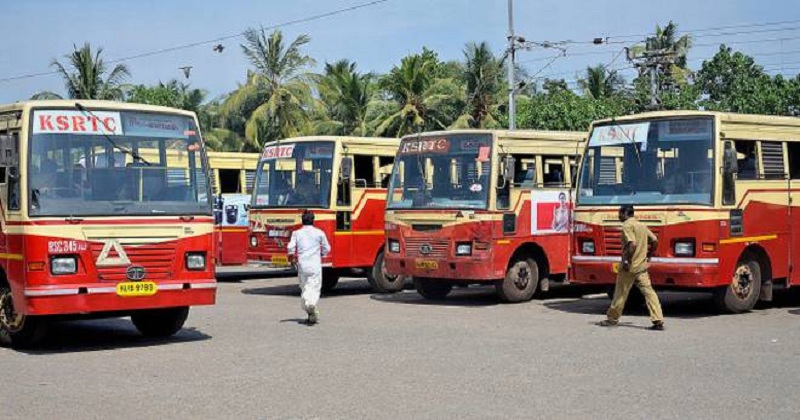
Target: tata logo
<point>113,254</point>
<point>425,249</point>
<point>135,273</point>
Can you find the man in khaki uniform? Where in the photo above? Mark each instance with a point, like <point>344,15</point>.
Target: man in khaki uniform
<point>638,244</point>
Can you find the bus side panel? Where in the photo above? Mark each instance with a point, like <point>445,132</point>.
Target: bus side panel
<point>367,230</point>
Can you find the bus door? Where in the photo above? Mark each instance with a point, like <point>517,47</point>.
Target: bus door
<point>342,240</point>
<point>9,180</point>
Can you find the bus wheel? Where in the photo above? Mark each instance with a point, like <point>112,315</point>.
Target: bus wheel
<point>432,289</point>
<point>520,282</point>
<point>742,294</point>
<point>383,282</point>
<point>330,278</point>
<point>160,322</point>
<point>17,330</point>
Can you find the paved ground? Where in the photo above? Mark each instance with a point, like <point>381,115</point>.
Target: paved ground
<point>399,356</point>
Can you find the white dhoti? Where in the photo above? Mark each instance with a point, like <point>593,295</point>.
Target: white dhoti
<point>310,288</point>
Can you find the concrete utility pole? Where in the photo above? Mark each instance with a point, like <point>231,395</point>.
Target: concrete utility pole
<point>652,63</point>
<point>512,86</point>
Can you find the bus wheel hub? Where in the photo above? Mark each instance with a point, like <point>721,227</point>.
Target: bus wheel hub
<point>9,319</point>
<point>742,284</point>
<point>522,276</point>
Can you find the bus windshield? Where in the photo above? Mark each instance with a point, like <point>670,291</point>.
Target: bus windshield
<point>442,171</point>
<point>295,175</point>
<point>658,161</point>
<point>103,163</point>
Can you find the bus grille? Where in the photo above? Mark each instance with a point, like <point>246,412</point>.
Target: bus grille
<point>414,246</point>
<point>157,260</point>
<point>612,237</point>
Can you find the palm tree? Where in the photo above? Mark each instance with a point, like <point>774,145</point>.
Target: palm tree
<point>276,100</point>
<point>346,95</point>
<point>421,100</point>
<point>666,43</point>
<point>601,83</point>
<point>483,77</point>
<point>84,76</point>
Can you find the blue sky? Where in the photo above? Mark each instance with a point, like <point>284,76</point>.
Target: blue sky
<point>37,31</point>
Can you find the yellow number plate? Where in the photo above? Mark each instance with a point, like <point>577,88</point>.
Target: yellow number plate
<point>615,268</point>
<point>279,261</point>
<point>427,264</point>
<point>141,288</point>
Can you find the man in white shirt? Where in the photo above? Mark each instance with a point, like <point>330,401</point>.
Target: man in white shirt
<point>307,247</point>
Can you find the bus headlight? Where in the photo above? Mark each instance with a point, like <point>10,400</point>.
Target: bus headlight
<point>195,261</point>
<point>394,246</point>
<point>587,247</point>
<point>253,241</point>
<point>464,248</point>
<point>684,248</point>
<point>64,265</point>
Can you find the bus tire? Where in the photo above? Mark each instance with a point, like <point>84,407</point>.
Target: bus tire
<point>330,278</point>
<point>520,282</point>
<point>160,323</point>
<point>383,282</point>
<point>432,289</point>
<point>742,294</point>
<point>17,330</point>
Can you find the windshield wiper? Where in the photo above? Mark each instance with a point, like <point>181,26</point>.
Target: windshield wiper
<point>635,146</point>
<point>108,138</point>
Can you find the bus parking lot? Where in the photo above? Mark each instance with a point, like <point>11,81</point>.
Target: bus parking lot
<point>381,356</point>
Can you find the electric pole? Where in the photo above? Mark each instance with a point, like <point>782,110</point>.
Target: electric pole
<point>512,86</point>
<point>653,63</point>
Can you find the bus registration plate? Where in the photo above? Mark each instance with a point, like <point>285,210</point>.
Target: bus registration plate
<point>427,264</point>
<point>133,289</point>
<point>279,261</point>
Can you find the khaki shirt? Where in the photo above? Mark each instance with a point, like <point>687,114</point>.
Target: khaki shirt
<point>636,232</point>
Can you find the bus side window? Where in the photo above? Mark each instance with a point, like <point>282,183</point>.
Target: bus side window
<point>364,171</point>
<point>344,183</point>
<point>385,170</point>
<point>746,151</point>
<point>794,159</point>
<point>553,171</point>
<point>9,168</point>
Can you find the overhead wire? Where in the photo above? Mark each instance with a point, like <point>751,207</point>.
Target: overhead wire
<point>210,41</point>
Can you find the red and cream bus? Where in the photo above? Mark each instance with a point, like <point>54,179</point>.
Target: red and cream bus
<point>716,188</point>
<point>92,227</point>
<point>487,207</point>
<point>342,180</point>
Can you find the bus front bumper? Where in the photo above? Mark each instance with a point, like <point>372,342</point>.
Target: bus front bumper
<point>466,269</point>
<point>102,297</point>
<point>664,272</point>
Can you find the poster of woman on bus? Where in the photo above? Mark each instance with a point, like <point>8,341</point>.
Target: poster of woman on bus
<point>550,211</point>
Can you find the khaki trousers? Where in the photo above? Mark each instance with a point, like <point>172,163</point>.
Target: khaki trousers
<point>624,283</point>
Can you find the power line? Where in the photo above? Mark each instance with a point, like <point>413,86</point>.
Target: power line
<point>717,28</point>
<point>210,41</point>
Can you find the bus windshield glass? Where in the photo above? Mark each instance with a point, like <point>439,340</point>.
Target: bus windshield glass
<point>295,175</point>
<point>104,163</point>
<point>658,161</point>
<point>442,171</point>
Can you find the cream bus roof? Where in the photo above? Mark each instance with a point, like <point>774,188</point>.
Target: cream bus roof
<point>725,117</point>
<point>356,145</point>
<point>91,104</point>
<point>566,136</point>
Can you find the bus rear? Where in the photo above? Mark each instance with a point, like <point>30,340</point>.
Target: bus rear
<point>93,227</point>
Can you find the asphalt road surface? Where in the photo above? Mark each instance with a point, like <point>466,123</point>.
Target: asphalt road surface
<point>399,356</point>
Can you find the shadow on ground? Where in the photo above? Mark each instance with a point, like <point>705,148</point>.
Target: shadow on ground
<point>107,334</point>
<point>674,304</point>
<point>236,274</point>
<point>346,287</point>
<point>477,295</point>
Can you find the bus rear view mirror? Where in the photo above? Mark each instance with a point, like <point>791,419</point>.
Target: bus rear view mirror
<point>730,164</point>
<point>509,167</point>
<point>347,169</point>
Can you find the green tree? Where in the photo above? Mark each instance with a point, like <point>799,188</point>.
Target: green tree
<point>275,101</point>
<point>674,75</point>
<point>422,101</point>
<point>346,96</point>
<point>600,82</point>
<point>732,81</point>
<point>86,76</point>
<point>172,94</point>
<point>483,79</point>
